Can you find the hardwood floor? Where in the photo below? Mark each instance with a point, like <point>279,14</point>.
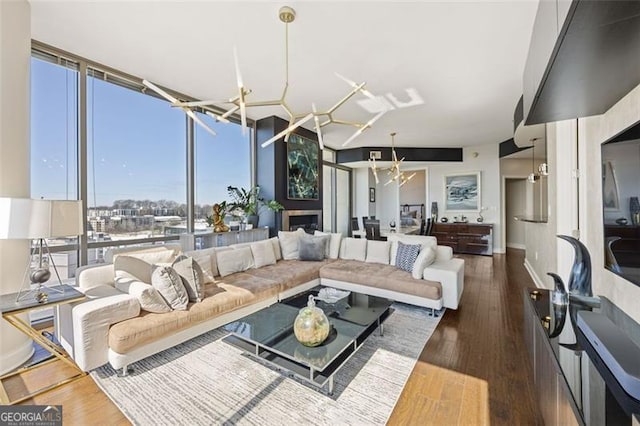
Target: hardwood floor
<point>473,370</point>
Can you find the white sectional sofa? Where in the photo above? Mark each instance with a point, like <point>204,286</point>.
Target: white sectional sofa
<point>110,326</point>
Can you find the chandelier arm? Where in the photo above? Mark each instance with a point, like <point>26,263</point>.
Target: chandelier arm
<point>317,123</point>
<point>364,127</point>
<point>263,103</point>
<point>362,87</point>
<point>159,91</point>
<point>348,123</point>
<point>195,118</point>
<point>194,104</point>
<point>345,99</point>
<point>287,130</point>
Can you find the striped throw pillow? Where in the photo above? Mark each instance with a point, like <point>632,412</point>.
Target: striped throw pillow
<point>407,255</point>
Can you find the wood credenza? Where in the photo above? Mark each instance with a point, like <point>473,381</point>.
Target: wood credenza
<point>471,238</point>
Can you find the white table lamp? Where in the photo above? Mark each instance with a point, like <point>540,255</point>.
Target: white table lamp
<point>24,218</point>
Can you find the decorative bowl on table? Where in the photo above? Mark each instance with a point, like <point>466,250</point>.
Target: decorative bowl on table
<point>311,327</point>
<point>331,295</point>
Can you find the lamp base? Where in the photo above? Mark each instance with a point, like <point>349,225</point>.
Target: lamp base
<point>39,275</point>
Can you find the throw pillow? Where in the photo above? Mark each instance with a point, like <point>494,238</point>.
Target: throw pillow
<point>407,255</point>
<point>203,257</point>
<point>191,275</point>
<point>166,280</point>
<point>151,257</point>
<point>276,248</point>
<point>132,267</point>
<point>263,254</point>
<point>378,252</point>
<point>426,257</point>
<point>289,243</point>
<point>424,241</point>
<point>313,248</point>
<point>149,298</point>
<point>333,249</point>
<point>353,249</point>
<point>232,261</point>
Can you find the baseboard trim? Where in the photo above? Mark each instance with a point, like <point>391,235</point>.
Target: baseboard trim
<point>517,246</point>
<point>532,273</point>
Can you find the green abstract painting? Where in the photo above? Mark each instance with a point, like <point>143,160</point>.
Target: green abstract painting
<point>302,168</point>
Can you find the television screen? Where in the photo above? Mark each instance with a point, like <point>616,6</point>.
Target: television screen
<point>620,205</point>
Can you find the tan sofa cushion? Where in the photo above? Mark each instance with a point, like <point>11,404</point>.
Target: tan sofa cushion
<point>228,294</point>
<point>381,276</point>
<point>290,273</point>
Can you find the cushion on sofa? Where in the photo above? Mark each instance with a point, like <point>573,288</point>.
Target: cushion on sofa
<point>423,240</point>
<point>133,267</point>
<point>424,259</point>
<point>290,273</point>
<point>192,276</point>
<point>333,251</point>
<point>276,248</point>
<point>378,252</point>
<point>166,280</point>
<point>232,261</point>
<point>170,250</point>
<point>200,257</point>
<point>386,277</point>
<point>313,247</point>
<point>289,243</point>
<point>263,254</point>
<point>152,257</point>
<point>353,249</point>
<point>149,298</point>
<point>407,255</point>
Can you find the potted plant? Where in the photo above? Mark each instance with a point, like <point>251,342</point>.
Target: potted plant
<point>249,202</point>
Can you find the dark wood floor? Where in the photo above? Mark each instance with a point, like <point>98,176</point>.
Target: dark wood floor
<point>473,370</point>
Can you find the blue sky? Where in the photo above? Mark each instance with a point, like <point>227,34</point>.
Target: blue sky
<point>136,143</point>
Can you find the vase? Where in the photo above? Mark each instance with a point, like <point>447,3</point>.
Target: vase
<point>434,211</point>
<point>311,327</point>
<point>253,219</point>
<point>580,277</point>
<point>634,209</point>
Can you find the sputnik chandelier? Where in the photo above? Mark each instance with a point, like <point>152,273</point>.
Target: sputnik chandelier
<point>394,172</point>
<point>240,102</point>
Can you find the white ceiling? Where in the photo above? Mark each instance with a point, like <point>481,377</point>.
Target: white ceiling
<point>465,59</point>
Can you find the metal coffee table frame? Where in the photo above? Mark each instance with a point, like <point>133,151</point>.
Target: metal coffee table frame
<point>300,368</point>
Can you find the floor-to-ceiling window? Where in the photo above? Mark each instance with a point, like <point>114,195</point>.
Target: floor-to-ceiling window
<point>336,209</point>
<point>54,145</point>
<point>99,134</point>
<point>220,161</point>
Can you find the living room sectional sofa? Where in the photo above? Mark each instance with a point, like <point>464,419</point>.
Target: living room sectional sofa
<point>110,325</point>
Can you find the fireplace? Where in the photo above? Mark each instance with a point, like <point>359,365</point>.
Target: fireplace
<point>309,220</point>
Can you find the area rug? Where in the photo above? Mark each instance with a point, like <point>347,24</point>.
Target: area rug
<point>205,381</point>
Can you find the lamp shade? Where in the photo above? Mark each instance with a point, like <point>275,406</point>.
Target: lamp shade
<point>24,218</point>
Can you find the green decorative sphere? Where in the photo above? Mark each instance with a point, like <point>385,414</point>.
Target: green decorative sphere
<point>311,326</point>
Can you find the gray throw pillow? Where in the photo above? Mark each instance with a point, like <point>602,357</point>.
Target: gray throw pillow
<point>407,255</point>
<point>169,284</point>
<point>192,277</point>
<point>313,247</point>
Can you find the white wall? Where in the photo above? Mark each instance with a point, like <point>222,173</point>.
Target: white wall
<point>15,57</point>
<point>487,162</point>
<point>515,205</point>
<point>414,191</point>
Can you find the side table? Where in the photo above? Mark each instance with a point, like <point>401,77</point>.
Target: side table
<point>11,310</point>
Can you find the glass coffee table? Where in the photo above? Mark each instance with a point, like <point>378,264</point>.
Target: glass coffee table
<point>268,335</point>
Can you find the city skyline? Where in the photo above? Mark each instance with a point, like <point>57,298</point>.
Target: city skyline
<point>136,144</point>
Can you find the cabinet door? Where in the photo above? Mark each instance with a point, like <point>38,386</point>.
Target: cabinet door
<point>546,378</point>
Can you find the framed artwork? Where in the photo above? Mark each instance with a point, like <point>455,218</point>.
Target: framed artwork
<point>462,192</point>
<point>372,195</point>
<point>302,168</point>
<point>610,195</point>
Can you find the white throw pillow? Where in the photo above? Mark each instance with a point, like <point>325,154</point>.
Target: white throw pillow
<point>132,267</point>
<point>192,276</point>
<point>276,248</point>
<point>151,257</point>
<point>166,280</point>
<point>426,257</point>
<point>148,297</point>
<point>334,244</point>
<point>199,255</point>
<point>353,249</point>
<point>289,243</point>
<point>378,251</point>
<point>232,261</point>
<point>263,254</point>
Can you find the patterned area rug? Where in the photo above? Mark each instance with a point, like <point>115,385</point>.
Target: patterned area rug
<point>206,381</point>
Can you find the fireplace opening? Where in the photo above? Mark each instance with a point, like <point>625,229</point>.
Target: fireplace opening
<point>308,220</point>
